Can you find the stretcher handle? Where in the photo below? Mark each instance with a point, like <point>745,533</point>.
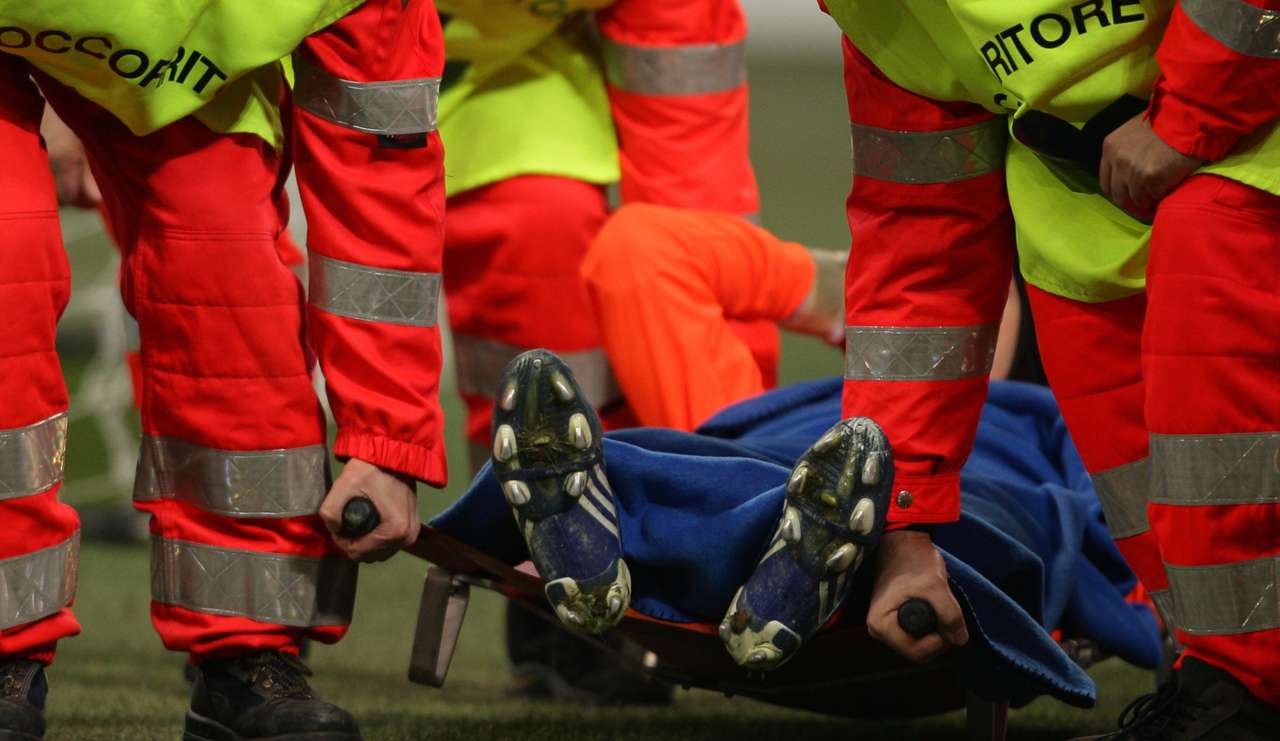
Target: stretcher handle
<point>359,517</point>
<point>917,618</point>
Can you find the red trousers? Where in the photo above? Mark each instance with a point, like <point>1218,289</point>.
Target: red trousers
<point>219,315</point>
<point>511,257</point>
<point>513,251</point>
<point>1173,398</point>
<point>233,464</point>
<point>40,533</point>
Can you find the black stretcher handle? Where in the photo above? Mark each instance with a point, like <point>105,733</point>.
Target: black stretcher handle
<point>917,618</point>
<point>359,518</point>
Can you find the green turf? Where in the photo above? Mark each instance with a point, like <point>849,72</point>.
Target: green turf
<point>116,681</point>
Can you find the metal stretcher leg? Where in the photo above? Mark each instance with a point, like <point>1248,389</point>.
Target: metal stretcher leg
<point>440,614</point>
<point>986,721</point>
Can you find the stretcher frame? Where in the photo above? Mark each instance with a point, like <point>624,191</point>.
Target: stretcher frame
<point>840,672</point>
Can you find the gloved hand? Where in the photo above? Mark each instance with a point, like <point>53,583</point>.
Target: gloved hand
<point>394,497</point>
<point>908,565</point>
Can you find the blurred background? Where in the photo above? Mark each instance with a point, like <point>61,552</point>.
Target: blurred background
<point>117,682</point>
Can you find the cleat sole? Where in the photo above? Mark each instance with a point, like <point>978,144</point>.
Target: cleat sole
<point>837,496</point>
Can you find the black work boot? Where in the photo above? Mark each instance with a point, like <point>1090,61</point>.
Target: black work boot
<point>1200,703</point>
<point>23,689</point>
<point>262,696</point>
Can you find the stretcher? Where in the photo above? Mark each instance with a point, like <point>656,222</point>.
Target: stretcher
<point>841,672</point>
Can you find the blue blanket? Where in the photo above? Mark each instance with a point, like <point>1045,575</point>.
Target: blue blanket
<point>1030,554</point>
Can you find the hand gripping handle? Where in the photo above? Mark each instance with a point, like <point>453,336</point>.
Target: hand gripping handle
<point>359,518</point>
<point>917,618</point>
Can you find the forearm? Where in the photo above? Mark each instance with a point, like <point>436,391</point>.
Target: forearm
<point>370,172</point>
<point>927,279</point>
<point>1220,75</point>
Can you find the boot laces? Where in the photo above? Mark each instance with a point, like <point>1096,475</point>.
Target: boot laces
<point>13,678</point>
<point>278,674</point>
<point>1158,715</point>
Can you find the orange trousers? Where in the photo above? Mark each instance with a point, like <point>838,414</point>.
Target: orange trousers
<point>667,285</point>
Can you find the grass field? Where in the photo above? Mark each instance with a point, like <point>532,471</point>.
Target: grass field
<point>116,682</point>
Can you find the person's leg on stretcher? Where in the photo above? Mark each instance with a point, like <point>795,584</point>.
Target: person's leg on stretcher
<point>664,284</point>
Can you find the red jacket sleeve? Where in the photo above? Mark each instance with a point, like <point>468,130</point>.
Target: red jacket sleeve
<point>929,271</point>
<point>370,168</point>
<point>1220,75</point>
<point>677,85</point>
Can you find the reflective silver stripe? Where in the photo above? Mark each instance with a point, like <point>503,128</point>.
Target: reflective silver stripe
<point>920,157</point>
<point>1230,598</point>
<point>1239,26</point>
<point>31,457</point>
<point>283,590</point>
<point>919,353</point>
<point>1216,469</point>
<point>1123,493</point>
<point>38,584</point>
<point>286,482</point>
<point>385,108</point>
<point>481,361</point>
<point>696,69</point>
<point>1163,599</point>
<point>373,294</point>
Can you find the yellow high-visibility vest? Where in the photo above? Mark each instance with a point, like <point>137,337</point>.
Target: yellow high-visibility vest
<point>152,62</point>
<point>524,93</point>
<point>1067,58</point>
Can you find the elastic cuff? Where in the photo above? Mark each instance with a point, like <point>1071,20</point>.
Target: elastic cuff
<point>1185,127</point>
<point>423,463</point>
<point>918,527</point>
<point>291,645</point>
<point>41,654</point>
<point>923,501</point>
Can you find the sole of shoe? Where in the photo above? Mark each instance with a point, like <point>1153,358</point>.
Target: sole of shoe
<point>837,497</point>
<point>200,728</point>
<point>544,423</point>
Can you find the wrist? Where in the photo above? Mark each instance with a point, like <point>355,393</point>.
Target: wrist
<point>906,537</point>
<point>404,478</point>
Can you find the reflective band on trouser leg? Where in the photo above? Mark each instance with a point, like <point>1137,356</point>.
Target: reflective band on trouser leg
<point>1228,469</point>
<point>919,353</point>
<point>288,482</point>
<point>1238,468</point>
<point>1211,364</point>
<point>1240,26</point>
<point>1123,493</point>
<point>924,157</point>
<point>389,108</point>
<point>31,457</point>
<point>296,591</point>
<point>481,361</point>
<point>1163,599</point>
<point>374,294</point>
<point>1241,597</point>
<point>696,69</point>
<point>38,584</point>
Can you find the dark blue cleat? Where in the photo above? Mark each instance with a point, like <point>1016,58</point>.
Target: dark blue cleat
<point>548,456</point>
<point>837,498</point>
